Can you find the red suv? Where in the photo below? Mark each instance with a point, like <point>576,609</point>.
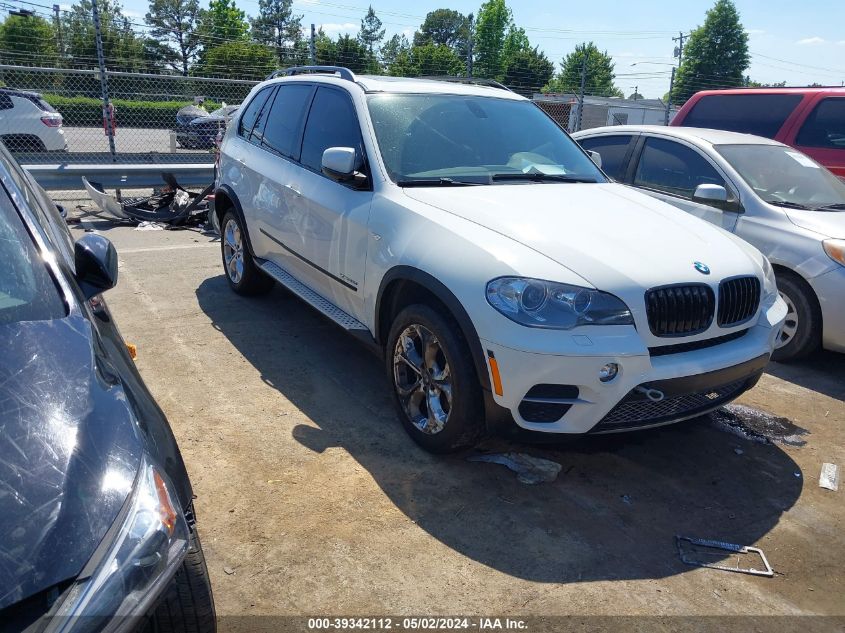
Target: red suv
<point>809,119</point>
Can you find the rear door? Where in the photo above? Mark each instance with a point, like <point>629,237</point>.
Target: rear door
<point>670,170</point>
<point>615,151</point>
<point>822,134</point>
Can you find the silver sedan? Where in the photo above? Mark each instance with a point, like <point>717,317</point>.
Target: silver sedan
<point>771,195</point>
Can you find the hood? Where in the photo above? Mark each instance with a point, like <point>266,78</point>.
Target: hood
<point>69,453</point>
<point>608,234</point>
<point>827,223</point>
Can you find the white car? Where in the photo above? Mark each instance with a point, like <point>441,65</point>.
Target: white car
<point>460,231</point>
<point>772,195</point>
<point>29,124</point>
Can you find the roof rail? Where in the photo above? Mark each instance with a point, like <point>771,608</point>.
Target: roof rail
<point>467,80</point>
<point>344,73</point>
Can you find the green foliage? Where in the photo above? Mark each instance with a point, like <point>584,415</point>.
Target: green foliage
<point>635,96</point>
<point>276,25</point>
<point>527,71</point>
<point>494,20</point>
<point>174,42</point>
<point>222,22</point>
<point>123,49</point>
<point>447,27</point>
<point>88,111</point>
<point>716,54</point>
<point>244,60</point>
<point>371,32</point>
<point>599,73</point>
<point>427,60</point>
<point>28,41</point>
<point>748,82</point>
<point>391,49</point>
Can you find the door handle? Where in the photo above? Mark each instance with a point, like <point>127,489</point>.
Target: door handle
<point>294,190</point>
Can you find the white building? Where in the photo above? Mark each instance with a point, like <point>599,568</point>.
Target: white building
<point>599,111</point>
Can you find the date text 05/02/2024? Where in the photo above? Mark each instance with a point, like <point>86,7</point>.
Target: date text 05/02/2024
<point>417,623</point>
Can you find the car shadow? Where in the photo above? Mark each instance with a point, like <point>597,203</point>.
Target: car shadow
<point>612,513</point>
<point>822,372</point>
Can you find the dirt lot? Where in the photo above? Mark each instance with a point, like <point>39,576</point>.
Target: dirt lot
<point>312,500</point>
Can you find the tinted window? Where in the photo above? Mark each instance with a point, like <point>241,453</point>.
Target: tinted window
<point>760,114</point>
<point>331,123</point>
<point>674,168</point>
<point>252,111</point>
<point>5,102</point>
<point>281,132</point>
<point>612,150</point>
<point>27,292</point>
<point>825,127</point>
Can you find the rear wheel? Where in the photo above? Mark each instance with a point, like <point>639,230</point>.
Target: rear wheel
<point>243,275</point>
<point>801,333</point>
<point>435,388</point>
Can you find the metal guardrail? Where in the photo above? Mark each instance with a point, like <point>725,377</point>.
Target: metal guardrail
<point>63,176</point>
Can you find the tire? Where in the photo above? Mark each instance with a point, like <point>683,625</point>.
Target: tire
<point>457,420</point>
<point>243,275</point>
<point>187,604</point>
<point>801,335</point>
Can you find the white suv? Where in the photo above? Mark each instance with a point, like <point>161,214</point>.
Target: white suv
<point>461,232</point>
<point>29,124</point>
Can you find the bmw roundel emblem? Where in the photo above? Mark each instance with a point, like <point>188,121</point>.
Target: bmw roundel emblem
<point>704,269</point>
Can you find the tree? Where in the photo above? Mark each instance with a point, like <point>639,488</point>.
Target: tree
<point>599,73</point>
<point>28,40</point>
<point>276,25</point>
<point>447,27</point>
<point>174,23</point>
<point>716,54</point>
<point>494,20</point>
<point>635,95</point>
<point>244,60</point>
<point>122,49</point>
<point>220,23</point>
<point>527,71</point>
<point>371,32</point>
<point>391,49</point>
<point>427,60</point>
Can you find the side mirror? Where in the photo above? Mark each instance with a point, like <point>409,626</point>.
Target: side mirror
<point>339,163</point>
<point>96,264</point>
<point>595,156</point>
<point>714,195</point>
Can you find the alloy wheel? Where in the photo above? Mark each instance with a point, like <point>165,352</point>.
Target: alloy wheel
<point>233,254</point>
<point>790,325</point>
<point>422,379</point>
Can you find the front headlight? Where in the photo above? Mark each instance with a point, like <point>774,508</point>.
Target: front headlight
<point>770,284</point>
<point>142,556</point>
<point>835,249</point>
<point>546,304</point>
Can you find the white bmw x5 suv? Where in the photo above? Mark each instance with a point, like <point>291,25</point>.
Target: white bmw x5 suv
<point>504,278</point>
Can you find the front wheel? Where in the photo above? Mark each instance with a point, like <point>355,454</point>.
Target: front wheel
<point>801,333</point>
<point>435,387</point>
<point>243,275</point>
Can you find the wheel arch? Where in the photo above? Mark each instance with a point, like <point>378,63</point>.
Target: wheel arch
<point>403,285</point>
<point>225,199</point>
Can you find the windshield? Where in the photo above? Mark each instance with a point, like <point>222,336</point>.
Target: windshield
<point>783,176</point>
<point>27,292</point>
<point>475,139</point>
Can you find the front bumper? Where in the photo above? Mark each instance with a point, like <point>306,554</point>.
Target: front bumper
<point>711,377</point>
<point>830,291</point>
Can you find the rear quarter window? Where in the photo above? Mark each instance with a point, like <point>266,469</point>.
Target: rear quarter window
<point>760,114</point>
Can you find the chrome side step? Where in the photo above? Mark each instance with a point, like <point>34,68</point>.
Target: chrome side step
<point>316,301</point>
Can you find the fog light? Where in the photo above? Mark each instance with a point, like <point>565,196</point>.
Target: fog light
<point>608,372</point>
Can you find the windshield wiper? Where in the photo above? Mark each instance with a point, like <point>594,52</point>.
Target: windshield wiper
<point>839,206</point>
<point>437,182</point>
<point>791,205</point>
<point>540,177</point>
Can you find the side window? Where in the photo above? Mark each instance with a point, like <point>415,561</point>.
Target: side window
<point>825,127</point>
<point>760,114</point>
<point>612,150</point>
<point>250,115</point>
<point>5,102</point>
<point>281,133</point>
<point>331,123</point>
<point>674,168</point>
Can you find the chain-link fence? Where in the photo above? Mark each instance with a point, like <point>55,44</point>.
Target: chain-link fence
<point>49,114</point>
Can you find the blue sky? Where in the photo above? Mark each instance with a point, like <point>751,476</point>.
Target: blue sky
<point>799,42</point>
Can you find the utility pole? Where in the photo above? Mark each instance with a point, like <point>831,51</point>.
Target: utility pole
<point>669,98</point>
<point>679,49</point>
<point>469,47</point>
<point>313,45</point>
<point>104,82</point>
<point>56,10</point>
<point>581,92</point>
